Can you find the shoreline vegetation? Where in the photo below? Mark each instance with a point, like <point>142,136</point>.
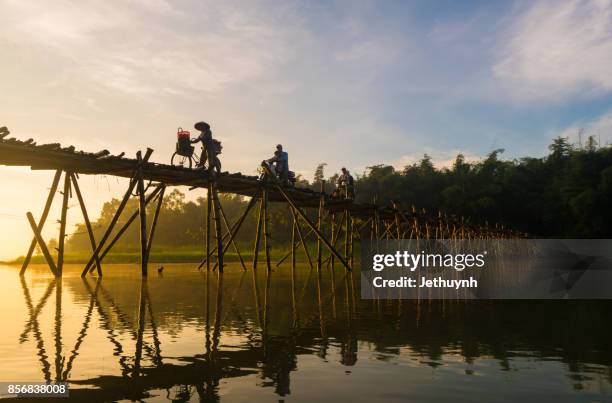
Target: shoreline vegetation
<point>186,255</point>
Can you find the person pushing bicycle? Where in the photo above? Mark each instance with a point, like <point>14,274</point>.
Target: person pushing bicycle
<point>211,148</point>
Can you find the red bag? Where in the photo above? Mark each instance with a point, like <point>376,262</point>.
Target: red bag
<point>182,134</point>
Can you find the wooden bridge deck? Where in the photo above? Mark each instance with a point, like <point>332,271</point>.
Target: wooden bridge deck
<point>55,157</point>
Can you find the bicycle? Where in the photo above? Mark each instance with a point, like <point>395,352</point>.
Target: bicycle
<point>184,155</point>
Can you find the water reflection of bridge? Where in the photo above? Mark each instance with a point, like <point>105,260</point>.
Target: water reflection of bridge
<point>281,323</point>
<point>198,374</point>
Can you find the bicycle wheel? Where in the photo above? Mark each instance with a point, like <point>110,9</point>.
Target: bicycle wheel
<point>180,161</point>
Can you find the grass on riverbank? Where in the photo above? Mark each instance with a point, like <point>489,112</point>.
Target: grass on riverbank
<point>182,255</point>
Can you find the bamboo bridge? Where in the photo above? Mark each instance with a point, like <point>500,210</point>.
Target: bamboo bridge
<point>343,220</point>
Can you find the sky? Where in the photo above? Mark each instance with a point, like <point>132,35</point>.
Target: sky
<point>349,83</point>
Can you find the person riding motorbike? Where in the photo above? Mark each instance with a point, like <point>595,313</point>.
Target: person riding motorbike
<point>346,184</point>
<point>281,164</point>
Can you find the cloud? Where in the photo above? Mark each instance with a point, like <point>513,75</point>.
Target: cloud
<point>143,48</point>
<point>600,128</point>
<point>557,50</point>
<point>440,159</point>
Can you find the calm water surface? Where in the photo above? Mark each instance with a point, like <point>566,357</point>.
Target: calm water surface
<point>187,336</point>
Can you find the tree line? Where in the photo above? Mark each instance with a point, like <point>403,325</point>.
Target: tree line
<point>566,193</point>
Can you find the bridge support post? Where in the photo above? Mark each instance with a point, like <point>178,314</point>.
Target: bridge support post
<point>160,201</point>
<point>302,237</point>
<point>42,244</point>
<point>208,221</point>
<point>258,233</point>
<point>231,240</point>
<point>142,210</point>
<point>92,239</point>
<point>313,227</point>
<point>62,233</point>
<point>351,239</point>
<point>233,230</point>
<point>347,234</point>
<point>127,224</point>
<point>41,221</point>
<point>320,225</point>
<point>120,209</point>
<point>333,241</point>
<point>266,225</point>
<point>217,218</point>
<point>293,250</point>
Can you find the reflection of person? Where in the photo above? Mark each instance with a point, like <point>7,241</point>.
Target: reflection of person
<point>346,183</point>
<point>210,149</point>
<point>281,163</point>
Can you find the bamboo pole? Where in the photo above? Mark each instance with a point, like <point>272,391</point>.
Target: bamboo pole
<point>236,227</point>
<point>302,238</point>
<point>141,326</point>
<point>125,226</point>
<point>41,221</point>
<point>42,244</point>
<point>346,235</point>
<point>258,233</point>
<point>208,217</point>
<point>218,236</point>
<point>225,236</point>
<point>113,222</point>
<point>352,237</point>
<point>336,236</point>
<point>160,201</point>
<point>231,241</point>
<point>319,224</point>
<point>63,219</point>
<point>142,209</point>
<point>92,239</point>
<point>398,225</point>
<point>332,259</point>
<point>288,254</point>
<point>293,248</point>
<point>311,225</point>
<point>57,330</point>
<point>266,231</point>
<point>293,296</point>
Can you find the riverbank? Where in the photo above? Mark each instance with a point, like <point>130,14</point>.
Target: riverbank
<point>191,255</point>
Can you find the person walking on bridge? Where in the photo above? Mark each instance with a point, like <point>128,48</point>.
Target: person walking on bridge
<point>211,148</point>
